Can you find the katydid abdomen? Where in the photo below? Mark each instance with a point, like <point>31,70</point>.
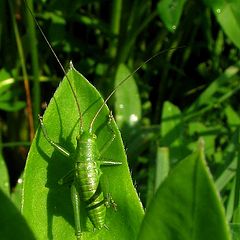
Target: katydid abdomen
<point>87,186</point>
<point>87,178</point>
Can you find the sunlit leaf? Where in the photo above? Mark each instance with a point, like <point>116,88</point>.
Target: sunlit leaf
<point>46,205</point>
<point>186,205</point>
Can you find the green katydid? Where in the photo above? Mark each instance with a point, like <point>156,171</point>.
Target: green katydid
<point>85,177</point>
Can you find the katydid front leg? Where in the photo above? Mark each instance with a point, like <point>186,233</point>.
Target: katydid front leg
<point>68,178</point>
<point>55,145</point>
<point>76,210</point>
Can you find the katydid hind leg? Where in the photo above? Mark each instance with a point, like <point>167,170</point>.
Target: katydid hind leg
<point>54,144</point>
<point>76,211</point>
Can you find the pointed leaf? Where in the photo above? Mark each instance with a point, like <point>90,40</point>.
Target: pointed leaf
<point>227,14</point>
<point>128,104</point>
<point>170,12</point>
<point>172,132</point>
<point>13,225</point>
<point>16,194</point>
<point>171,127</point>
<point>46,205</point>
<point>186,206</point>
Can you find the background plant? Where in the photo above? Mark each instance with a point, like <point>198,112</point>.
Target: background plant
<point>172,101</point>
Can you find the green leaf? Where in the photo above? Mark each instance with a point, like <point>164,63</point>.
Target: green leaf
<point>4,179</point>
<point>13,225</point>
<point>16,194</point>
<point>170,12</point>
<point>46,205</point>
<point>233,118</point>
<point>162,165</point>
<point>172,131</point>
<point>227,14</point>
<point>171,125</point>
<point>186,205</point>
<point>128,104</point>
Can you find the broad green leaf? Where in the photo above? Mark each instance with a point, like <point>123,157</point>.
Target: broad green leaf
<point>4,179</point>
<point>172,131</point>
<point>170,12</point>
<point>162,165</point>
<point>228,16</point>
<point>186,206</point>
<point>13,225</point>
<point>46,205</point>
<point>171,125</point>
<point>16,194</point>
<point>128,104</point>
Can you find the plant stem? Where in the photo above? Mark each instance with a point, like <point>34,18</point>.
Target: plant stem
<point>115,25</point>
<point>24,71</point>
<point>35,64</point>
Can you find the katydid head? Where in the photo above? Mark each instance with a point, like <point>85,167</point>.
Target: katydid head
<point>85,142</point>
<point>86,136</point>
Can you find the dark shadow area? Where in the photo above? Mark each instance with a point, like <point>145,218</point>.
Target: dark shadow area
<point>59,197</point>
